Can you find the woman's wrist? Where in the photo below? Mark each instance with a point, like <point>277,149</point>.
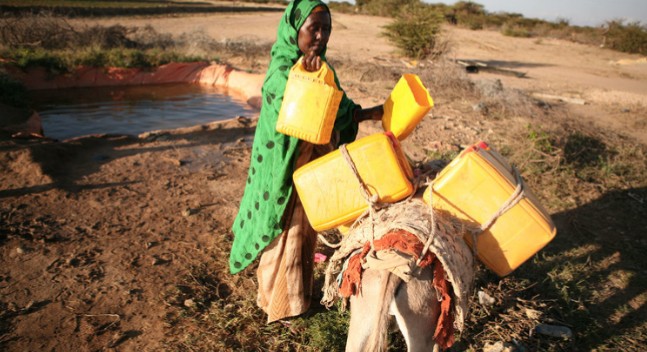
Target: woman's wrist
<point>356,113</point>
<point>374,113</point>
<point>377,112</point>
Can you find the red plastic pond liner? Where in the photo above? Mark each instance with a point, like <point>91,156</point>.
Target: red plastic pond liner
<point>246,84</point>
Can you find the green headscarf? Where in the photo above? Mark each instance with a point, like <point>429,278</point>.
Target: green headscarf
<point>269,181</point>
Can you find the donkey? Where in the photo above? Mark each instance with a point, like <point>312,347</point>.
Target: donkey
<point>414,304</point>
<point>369,265</point>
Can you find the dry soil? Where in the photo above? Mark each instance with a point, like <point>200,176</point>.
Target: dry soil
<point>94,232</point>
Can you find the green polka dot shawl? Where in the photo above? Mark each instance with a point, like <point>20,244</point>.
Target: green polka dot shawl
<point>269,181</point>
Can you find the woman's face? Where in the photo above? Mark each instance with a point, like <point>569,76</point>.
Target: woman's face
<point>315,32</point>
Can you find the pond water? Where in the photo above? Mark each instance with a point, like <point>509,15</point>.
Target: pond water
<point>68,113</point>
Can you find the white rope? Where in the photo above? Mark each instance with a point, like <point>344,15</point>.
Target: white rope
<point>325,241</point>
<point>374,205</point>
<point>432,235</point>
<point>366,193</point>
<point>514,198</point>
<point>371,199</point>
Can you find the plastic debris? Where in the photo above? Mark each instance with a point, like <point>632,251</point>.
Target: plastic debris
<point>485,299</point>
<point>554,331</point>
<point>320,257</point>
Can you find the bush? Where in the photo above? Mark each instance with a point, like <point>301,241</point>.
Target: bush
<point>474,23</point>
<point>30,31</point>
<point>21,42</point>
<point>26,57</point>
<point>386,8</point>
<point>515,30</point>
<point>43,30</point>
<point>12,92</point>
<point>629,38</point>
<point>468,8</point>
<point>415,31</point>
<point>342,6</point>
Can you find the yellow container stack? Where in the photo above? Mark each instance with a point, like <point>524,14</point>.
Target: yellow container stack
<point>473,187</point>
<point>330,192</point>
<point>407,104</point>
<point>310,104</point>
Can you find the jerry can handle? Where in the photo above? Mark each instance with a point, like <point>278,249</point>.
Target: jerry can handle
<point>323,73</point>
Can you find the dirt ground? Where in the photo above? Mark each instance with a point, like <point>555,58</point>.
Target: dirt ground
<point>99,235</point>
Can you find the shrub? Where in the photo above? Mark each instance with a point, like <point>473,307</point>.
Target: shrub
<point>21,42</point>
<point>416,31</point>
<point>562,22</point>
<point>43,30</point>
<point>630,38</point>
<point>29,31</point>
<point>342,6</point>
<point>468,8</point>
<point>386,8</point>
<point>515,30</point>
<point>115,36</point>
<point>12,92</point>
<point>25,58</point>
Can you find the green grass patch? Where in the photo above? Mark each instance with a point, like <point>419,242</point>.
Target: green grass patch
<point>25,58</point>
<point>324,331</point>
<point>63,61</point>
<point>444,156</point>
<point>566,169</point>
<point>585,157</point>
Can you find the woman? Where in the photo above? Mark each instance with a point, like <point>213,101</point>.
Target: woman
<point>271,218</point>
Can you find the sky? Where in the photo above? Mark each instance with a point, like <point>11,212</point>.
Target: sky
<point>578,12</point>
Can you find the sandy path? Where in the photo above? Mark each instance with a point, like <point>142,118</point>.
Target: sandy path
<point>552,65</point>
<point>558,66</point>
<point>356,33</point>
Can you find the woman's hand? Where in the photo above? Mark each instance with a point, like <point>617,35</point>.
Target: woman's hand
<point>374,113</point>
<point>311,62</point>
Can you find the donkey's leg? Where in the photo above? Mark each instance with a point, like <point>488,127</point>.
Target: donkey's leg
<point>369,312</point>
<point>416,310</point>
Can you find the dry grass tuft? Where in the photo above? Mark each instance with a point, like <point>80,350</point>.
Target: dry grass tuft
<point>29,31</point>
<point>117,45</point>
<point>448,80</point>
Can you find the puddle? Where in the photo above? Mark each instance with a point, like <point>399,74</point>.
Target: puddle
<point>68,113</point>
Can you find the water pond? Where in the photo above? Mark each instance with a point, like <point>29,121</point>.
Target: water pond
<point>68,113</point>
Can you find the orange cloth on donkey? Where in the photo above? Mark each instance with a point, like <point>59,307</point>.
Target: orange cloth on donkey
<point>409,244</point>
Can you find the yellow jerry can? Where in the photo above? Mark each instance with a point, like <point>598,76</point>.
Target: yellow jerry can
<point>473,187</point>
<point>405,107</point>
<point>330,191</point>
<point>310,104</point>
<point>344,229</point>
